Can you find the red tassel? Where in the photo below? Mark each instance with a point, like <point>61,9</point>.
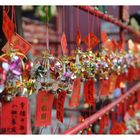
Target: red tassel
<point>102,125</point>
<point>120,110</point>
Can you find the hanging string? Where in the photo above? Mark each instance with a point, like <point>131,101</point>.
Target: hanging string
<point>47,33</point>
<point>57,30</point>
<point>71,30</point>
<point>88,29</point>
<point>63,19</point>
<point>92,26</point>
<point>98,28</point>
<point>78,18</point>
<point>88,21</point>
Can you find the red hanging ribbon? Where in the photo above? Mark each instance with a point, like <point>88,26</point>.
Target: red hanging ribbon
<point>44,104</point>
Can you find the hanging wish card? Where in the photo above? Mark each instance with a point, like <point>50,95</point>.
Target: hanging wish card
<point>89,92</point>
<point>7,26</point>
<point>60,106</point>
<point>75,98</point>
<point>18,43</point>
<point>64,43</point>
<point>15,117</point>
<point>91,41</point>
<point>44,104</point>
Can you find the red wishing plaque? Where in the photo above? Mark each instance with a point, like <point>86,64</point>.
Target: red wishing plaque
<point>89,91</point>
<point>15,117</point>
<point>64,43</point>
<point>104,87</point>
<point>19,44</point>
<point>75,98</point>
<point>7,26</point>
<point>78,38</point>
<point>60,106</point>
<point>44,103</point>
<point>91,41</point>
